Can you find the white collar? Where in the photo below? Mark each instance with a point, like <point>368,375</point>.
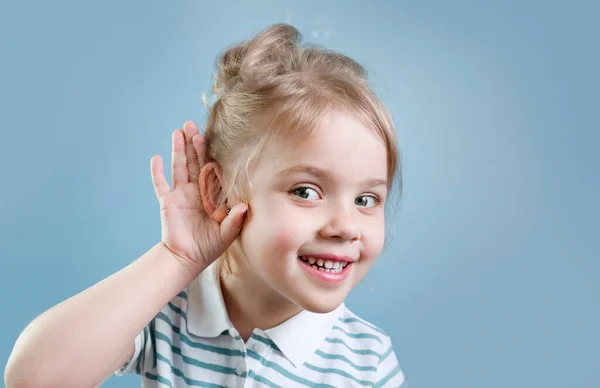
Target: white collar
<point>297,338</point>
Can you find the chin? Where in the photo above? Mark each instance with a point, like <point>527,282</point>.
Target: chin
<point>321,306</point>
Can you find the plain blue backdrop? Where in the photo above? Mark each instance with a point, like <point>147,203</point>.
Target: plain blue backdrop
<point>493,276</point>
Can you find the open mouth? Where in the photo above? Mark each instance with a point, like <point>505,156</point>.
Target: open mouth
<point>327,266</point>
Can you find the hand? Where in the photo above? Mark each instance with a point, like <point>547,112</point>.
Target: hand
<point>193,236</point>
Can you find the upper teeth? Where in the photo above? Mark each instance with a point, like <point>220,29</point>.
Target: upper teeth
<point>331,264</point>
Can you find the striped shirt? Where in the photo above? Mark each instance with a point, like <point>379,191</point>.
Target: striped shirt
<point>191,342</point>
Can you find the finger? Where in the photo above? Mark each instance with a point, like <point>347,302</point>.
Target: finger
<point>232,224</point>
<point>161,186</point>
<point>200,146</point>
<point>190,129</point>
<point>179,172</point>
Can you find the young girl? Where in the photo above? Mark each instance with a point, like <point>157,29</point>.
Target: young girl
<point>274,217</point>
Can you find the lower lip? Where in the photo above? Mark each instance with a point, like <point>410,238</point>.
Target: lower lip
<point>329,277</point>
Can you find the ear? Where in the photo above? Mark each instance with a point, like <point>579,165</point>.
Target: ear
<point>210,187</point>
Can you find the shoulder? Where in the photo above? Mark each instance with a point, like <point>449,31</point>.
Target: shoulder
<point>173,315</point>
<point>361,330</point>
<point>366,335</point>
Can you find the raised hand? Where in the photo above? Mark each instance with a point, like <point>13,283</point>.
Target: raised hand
<point>194,237</point>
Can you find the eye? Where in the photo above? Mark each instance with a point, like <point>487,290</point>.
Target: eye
<point>366,201</point>
<point>306,193</point>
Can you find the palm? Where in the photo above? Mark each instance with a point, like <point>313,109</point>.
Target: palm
<point>185,224</point>
<point>187,230</point>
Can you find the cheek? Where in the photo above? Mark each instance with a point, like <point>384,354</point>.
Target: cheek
<point>374,240</point>
<point>286,236</point>
<point>274,230</point>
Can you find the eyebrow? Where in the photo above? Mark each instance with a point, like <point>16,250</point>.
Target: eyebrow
<point>325,174</point>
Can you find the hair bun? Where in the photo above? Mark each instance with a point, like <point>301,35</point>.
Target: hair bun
<point>259,59</point>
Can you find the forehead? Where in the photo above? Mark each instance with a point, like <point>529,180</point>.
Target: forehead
<point>341,144</point>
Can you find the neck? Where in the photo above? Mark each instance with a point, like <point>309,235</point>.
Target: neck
<point>250,302</point>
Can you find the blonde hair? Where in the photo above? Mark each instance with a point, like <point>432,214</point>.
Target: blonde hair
<point>274,88</point>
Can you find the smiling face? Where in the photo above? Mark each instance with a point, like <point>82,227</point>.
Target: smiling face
<point>316,219</point>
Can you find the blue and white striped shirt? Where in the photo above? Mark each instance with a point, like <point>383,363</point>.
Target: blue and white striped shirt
<point>192,342</point>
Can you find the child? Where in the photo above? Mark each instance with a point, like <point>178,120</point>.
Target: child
<point>274,217</point>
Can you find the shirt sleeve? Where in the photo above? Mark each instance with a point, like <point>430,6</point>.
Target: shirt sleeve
<point>144,357</point>
<point>389,373</point>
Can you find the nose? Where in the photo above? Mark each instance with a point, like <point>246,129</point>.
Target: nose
<point>341,225</point>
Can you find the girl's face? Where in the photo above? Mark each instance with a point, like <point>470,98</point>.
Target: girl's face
<point>316,218</point>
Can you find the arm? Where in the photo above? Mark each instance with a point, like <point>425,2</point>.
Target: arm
<point>84,339</point>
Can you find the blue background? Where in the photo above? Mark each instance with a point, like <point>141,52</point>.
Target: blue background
<point>493,276</point>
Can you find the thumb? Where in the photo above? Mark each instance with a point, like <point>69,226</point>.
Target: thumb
<point>232,224</point>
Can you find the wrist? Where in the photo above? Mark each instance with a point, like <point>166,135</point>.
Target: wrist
<point>189,268</point>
